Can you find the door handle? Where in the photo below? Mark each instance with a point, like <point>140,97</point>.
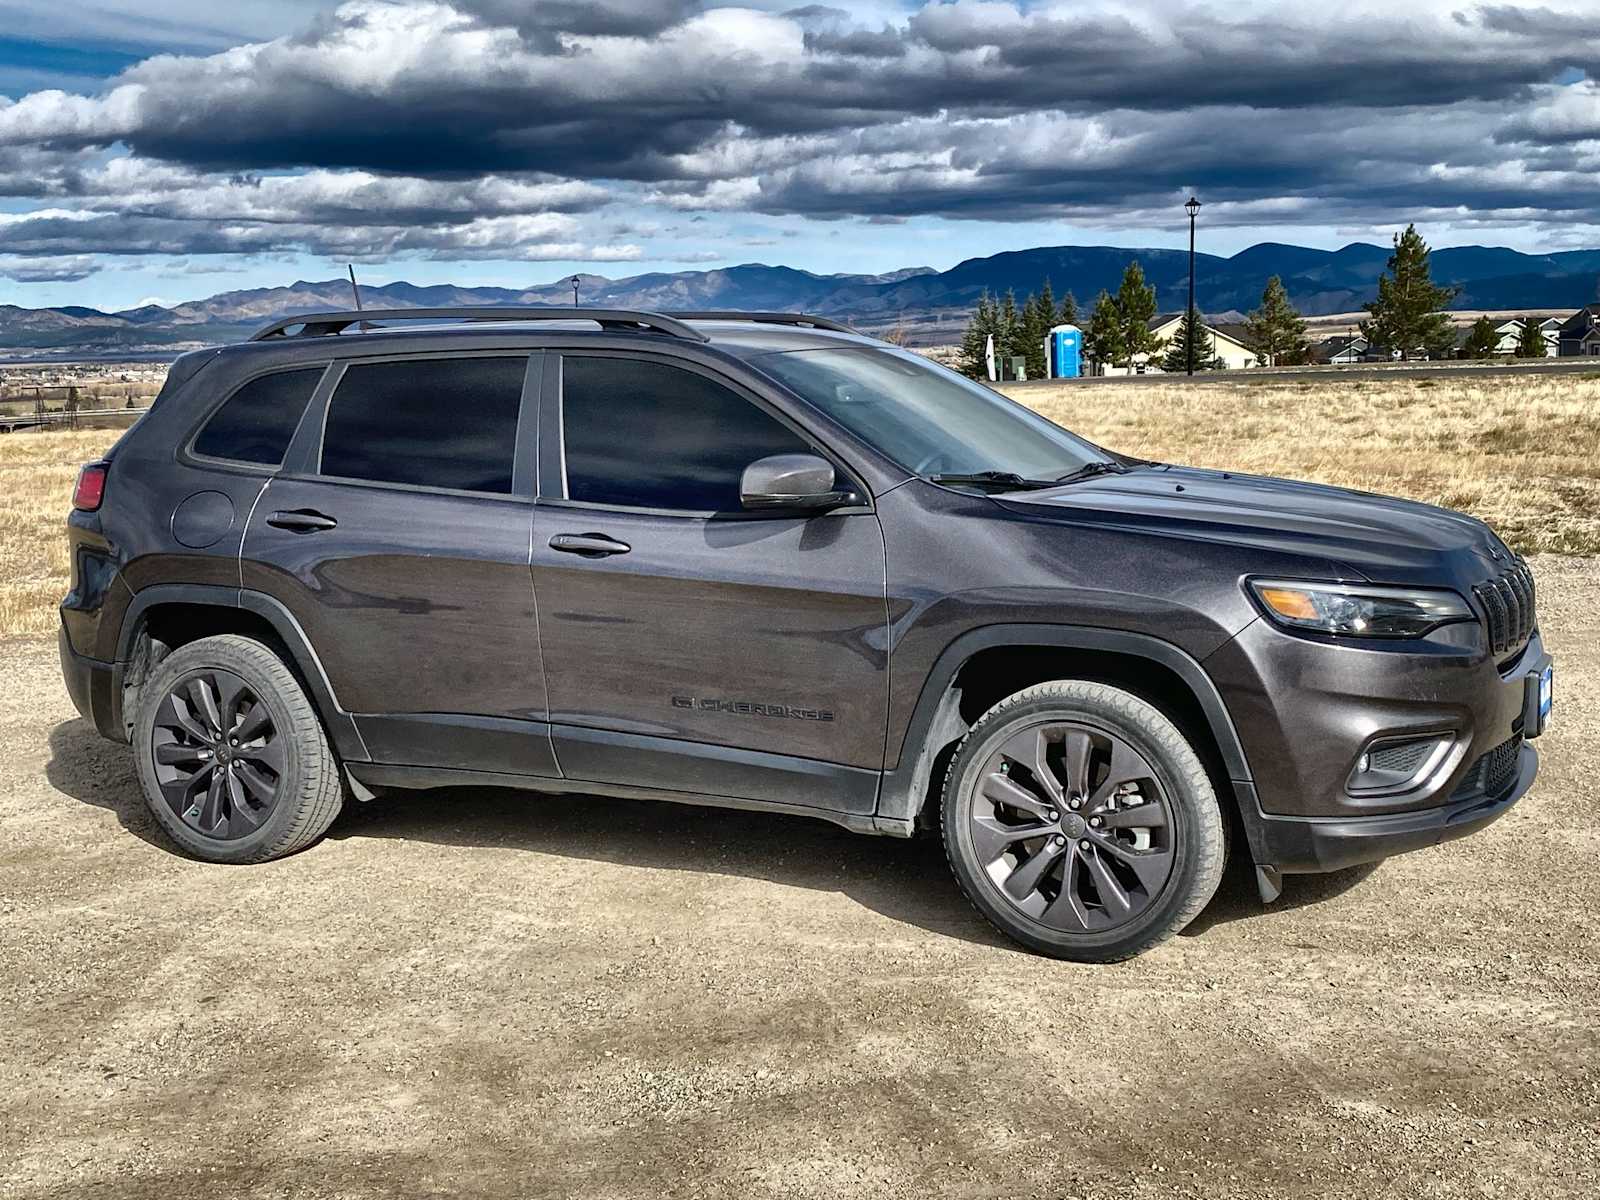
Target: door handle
<point>589,545</point>
<point>301,520</point>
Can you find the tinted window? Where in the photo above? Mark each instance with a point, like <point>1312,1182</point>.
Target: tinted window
<point>653,436</point>
<point>446,423</point>
<point>254,424</point>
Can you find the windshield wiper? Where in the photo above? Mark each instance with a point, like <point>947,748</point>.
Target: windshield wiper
<point>1092,470</point>
<point>1005,480</point>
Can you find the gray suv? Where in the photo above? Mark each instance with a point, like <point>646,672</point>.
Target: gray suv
<point>756,560</point>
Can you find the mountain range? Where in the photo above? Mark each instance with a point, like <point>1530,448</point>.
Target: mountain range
<point>931,305</point>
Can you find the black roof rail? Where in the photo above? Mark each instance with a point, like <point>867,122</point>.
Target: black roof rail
<point>765,318</point>
<point>324,324</point>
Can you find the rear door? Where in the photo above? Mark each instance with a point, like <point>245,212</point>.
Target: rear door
<point>701,648</point>
<point>398,537</point>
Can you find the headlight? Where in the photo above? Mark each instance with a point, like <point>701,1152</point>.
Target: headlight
<point>1358,611</point>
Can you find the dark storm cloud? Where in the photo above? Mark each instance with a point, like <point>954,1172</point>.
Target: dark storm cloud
<point>433,128</point>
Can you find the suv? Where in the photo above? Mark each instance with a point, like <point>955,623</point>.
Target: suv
<point>759,561</point>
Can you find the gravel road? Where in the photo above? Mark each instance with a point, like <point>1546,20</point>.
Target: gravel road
<point>488,994</point>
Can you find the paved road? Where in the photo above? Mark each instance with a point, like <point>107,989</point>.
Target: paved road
<point>483,994</point>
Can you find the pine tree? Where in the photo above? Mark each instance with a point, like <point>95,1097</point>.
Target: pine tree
<point>1038,314</point>
<point>1407,315</point>
<point>1191,328</point>
<point>1102,341</point>
<point>1069,310</point>
<point>983,322</point>
<point>1008,334</point>
<point>1483,339</point>
<point>1530,338</point>
<point>1136,306</point>
<point>1276,331</point>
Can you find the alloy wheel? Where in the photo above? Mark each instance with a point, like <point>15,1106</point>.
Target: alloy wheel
<point>218,756</point>
<point>1072,827</point>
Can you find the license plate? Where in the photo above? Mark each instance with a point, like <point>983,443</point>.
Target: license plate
<point>1547,694</point>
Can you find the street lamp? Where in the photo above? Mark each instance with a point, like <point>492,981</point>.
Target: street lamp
<point>574,281</point>
<point>1193,209</point>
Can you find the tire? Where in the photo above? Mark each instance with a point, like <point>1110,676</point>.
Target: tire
<point>243,799</point>
<point>1127,866</point>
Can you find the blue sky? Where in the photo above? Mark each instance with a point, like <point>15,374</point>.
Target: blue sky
<point>511,142</point>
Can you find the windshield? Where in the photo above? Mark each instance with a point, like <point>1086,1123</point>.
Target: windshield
<point>926,418</point>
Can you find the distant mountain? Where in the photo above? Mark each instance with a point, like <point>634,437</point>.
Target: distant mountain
<point>929,303</point>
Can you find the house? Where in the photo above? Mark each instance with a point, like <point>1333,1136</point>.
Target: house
<point>1579,334</point>
<point>1345,349</point>
<point>1510,334</point>
<point>1235,355</point>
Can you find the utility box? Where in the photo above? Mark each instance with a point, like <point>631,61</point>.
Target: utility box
<point>1063,352</point>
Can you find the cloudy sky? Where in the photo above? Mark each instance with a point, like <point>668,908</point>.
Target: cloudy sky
<point>251,142</point>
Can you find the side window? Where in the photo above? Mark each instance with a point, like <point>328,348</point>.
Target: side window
<point>650,435</point>
<point>444,423</point>
<point>254,424</point>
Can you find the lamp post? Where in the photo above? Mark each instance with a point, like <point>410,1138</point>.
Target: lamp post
<point>574,281</point>
<point>1193,209</point>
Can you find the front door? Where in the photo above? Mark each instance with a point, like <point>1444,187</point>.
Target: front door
<point>401,546</point>
<point>689,646</point>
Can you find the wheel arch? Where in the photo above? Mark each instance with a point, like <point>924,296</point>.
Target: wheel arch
<point>985,665</point>
<point>165,616</point>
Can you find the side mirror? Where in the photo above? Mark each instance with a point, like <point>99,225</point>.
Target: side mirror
<point>801,481</point>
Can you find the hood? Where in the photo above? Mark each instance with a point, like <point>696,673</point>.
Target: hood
<point>1384,539</point>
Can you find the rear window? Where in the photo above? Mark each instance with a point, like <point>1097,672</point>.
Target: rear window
<point>254,424</point>
<point>441,423</point>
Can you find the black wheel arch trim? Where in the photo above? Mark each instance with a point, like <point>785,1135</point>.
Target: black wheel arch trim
<point>905,787</point>
<point>341,727</point>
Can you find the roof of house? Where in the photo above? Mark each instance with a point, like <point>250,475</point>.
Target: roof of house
<point>1162,320</point>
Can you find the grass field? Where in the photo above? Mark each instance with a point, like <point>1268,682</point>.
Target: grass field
<point>1521,452</point>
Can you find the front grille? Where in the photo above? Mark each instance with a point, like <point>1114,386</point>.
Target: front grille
<point>1507,604</point>
<point>1494,772</point>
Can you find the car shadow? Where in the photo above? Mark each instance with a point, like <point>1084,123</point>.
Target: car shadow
<point>904,880</point>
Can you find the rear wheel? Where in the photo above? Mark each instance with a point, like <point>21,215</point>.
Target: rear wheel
<point>233,759</point>
<point>1081,823</point>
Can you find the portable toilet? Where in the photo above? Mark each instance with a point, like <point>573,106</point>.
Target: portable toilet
<point>1063,351</point>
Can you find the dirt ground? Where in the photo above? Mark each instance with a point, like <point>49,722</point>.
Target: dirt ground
<point>479,993</point>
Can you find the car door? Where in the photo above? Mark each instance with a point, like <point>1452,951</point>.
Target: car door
<point>398,537</point>
<point>688,645</point>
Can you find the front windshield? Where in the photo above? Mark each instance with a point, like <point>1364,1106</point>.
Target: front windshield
<point>926,418</point>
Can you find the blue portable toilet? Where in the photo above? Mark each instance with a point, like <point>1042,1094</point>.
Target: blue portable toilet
<point>1064,352</point>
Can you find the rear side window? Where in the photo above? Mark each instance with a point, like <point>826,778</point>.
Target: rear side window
<point>649,435</point>
<point>254,424</point>
<point>443,423</point>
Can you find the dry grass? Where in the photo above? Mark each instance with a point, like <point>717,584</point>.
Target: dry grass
<point>37,471</point>
<point>1521,452</point>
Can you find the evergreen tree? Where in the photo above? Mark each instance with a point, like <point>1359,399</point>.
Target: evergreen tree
<point>1191,328</point>
<point>983,322</point>
<point>1136,306</point>
<point>1530,338</point>
<point>1038,315</point>
<point>1008,336</point>
<point>1407,316</point>
<point>1102,341</point>
<point>1483,339</point>
<point>1276,331</point>
<point>1069,310</point>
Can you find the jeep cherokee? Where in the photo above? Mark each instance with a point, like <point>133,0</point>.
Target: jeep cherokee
<point>756,560</point>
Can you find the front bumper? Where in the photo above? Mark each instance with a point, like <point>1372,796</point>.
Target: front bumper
<point>1297,845</point>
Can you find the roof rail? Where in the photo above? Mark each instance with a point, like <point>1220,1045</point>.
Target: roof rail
<point>765,318</point>
<point>327,323</point>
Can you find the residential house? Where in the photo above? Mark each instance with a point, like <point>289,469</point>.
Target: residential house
<point>1235,355</point>
<point>1511,336</point>
<point>1345,350</point>
<point>1579,334</point>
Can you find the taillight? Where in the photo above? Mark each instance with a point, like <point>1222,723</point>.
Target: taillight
<point>91,487</point>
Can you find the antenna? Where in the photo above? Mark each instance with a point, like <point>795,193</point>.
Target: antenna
<point>354,286</point>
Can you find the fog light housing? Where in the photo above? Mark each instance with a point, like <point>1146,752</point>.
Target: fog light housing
<point>1393,765</point>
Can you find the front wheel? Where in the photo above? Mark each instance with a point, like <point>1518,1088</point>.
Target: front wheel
<point>233,758</point>
<point>1081,823</point>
